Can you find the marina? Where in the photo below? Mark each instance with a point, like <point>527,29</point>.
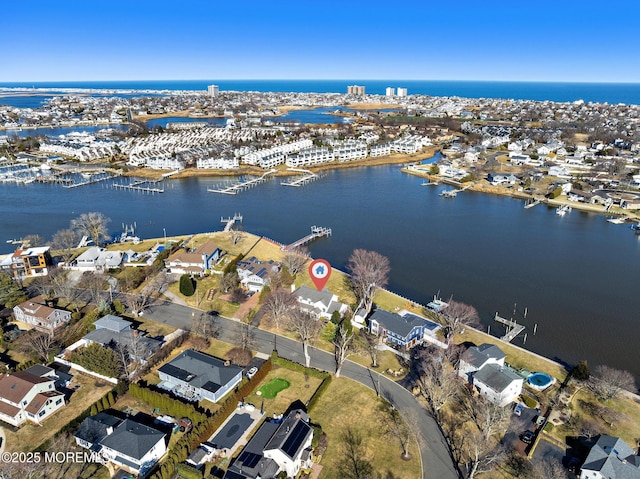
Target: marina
<point>307,177</point>
<point>242,185</point>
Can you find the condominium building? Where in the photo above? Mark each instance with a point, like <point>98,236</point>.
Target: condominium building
<point>402,92</point>
<point>310,156</point>
<point>213,90</point>
<point>390,91</point>
<point>355,90</point>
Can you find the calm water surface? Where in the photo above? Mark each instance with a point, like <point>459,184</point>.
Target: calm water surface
<point>578,275</point>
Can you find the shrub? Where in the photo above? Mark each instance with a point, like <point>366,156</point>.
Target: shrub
<point>118,307</point>
<point>529,401</point>
<point>581,371</point>
<point>186,285</point>
<point>98,359</point>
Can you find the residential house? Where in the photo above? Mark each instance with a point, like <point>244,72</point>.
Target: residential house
<point>27,263</point>
<point>500,179</point>
<point>321,303</point>
<point>97,259</point>
<point>484,367</point>
<point>195,375</point>
<point>611,458</point>
<point>275,447</point>
<point>402,329</point>
<point>27,397</point>
<point>255,274</point>
<point>199,261</point>
<point>41,316</point>
<point>61,378</point>
<point>124,442</point>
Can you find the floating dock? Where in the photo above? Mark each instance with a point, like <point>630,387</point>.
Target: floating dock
<point>307,177</point>
<point>243,185</point>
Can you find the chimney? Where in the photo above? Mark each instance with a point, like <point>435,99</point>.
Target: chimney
<point>227,363</point>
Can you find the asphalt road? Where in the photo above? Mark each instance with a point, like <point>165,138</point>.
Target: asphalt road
<point>436,461</point>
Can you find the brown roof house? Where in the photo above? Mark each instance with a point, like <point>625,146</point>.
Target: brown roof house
<point>42,317</point>
<point>197,262</point>
<point>27,397</point>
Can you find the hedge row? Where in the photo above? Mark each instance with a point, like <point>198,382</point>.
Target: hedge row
<point>166,403</point>
<point>285,363</point>
<point>319,392</point>
<point>162,354</point>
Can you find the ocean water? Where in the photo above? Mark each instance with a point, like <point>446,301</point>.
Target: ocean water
<point>628,93</point>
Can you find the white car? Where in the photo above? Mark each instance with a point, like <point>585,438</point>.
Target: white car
<point>252,372</point>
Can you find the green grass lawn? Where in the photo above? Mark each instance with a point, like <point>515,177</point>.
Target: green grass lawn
<point>273,387</point>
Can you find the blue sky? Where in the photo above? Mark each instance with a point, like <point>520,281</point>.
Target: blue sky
<point>561,40</point>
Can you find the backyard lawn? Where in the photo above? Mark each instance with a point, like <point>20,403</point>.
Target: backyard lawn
<point>348,404</point>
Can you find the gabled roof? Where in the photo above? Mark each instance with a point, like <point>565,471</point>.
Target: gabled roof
<point>95,428</point>
<point>39,370</point>
<point>313,295</point>
<point>401,325</point>
<point>496,377</point>
<point>479,355</point>
<point>39,400</point>
<point>251,461</point>
<point>200,370</point>
<point>291,435</point>
<point>113,323</point>
<point>256,267</point>
<point>207,248</point>
<point>15,386</point>
<point>132,439</point>
<point>613,458</point>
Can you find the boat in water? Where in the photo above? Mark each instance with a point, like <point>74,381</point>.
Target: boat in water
<point>636,228</point>
<point>563,210</point>
<point>616,220</point>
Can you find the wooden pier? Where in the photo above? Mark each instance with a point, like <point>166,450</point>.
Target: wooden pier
<point>535,202</point>
<point>230,221</point>
<point>137,185</point>
<point>316,232</point>
<point>307,177</point>
<point>453,193</point>
<point>243,185</point>
<point>513,328</point>
<point>89,181</point>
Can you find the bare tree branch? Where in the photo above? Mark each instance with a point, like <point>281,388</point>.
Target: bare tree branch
<point>306,326</point>
<point>608,383</point>
<point>456,316</point>
<point>279,303</point>
<point>94,225</point>
<point>369,270</point>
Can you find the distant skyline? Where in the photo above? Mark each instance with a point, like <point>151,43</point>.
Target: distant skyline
<point>559,41</point>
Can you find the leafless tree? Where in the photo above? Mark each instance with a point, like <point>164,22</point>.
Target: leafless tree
<point>279,303</point>
<point>236,235</point>
<point>306,326</point>
<point>34,241</point>
<point>205,325</point>
<point>42,345</point>
<point>456,316</point>
<point>343,346</point>
<point>295,260</point>
<point>66,241</point>
<point>354,465</point>
<point>608,383</point>
<point>229,281</point>
<point>244,337</point>
<point>550,469</point>
<point>370,344</point>
<point>394,425</point>
<point>369,270</point>
<point>94,225</point>
<point>488,417</point>
<point>95,284</point>
<point>41,286</point>
<point>437,383</point>
<point>63,286</point>
<point>589,428</point>
<point>480,454</point>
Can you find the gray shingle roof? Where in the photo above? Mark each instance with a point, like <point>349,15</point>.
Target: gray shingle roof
<point>200,370</point>
<point>113,323</point>
<point>132,439</point>
<point>613,458</point>
<point>400,325</point>
<point>495,376</point>
<point>313,295</point>
<point>478,355</point>
<point>94,428</point>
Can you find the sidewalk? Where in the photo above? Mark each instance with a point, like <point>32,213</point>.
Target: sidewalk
<point>173,298</point>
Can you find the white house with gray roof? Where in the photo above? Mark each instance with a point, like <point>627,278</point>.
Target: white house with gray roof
<point>611,458</point>
<point>124,442</point>
<point>321,303</point>
<point>483,366</point>
<point>195,375</point>
<point>255,274</point>
<point>402,329</point>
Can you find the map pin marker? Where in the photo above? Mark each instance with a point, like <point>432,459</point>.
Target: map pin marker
<point>320,270</point>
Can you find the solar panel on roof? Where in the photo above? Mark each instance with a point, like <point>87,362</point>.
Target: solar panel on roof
<point>295,439</point>
<point>249,459</point>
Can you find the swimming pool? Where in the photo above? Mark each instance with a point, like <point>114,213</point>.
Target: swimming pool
<point>540,380</point>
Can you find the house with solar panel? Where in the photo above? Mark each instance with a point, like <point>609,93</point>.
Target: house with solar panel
<point>278,445</point>
<point>254,274</point>
<point>194,376</point>
<point>402,329</point>
<point>124,442</point>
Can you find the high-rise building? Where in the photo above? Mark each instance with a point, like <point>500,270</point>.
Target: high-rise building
<point>390,91</point>
<point>355,90</point>
<point>402,92</point>
<point>213,90</point>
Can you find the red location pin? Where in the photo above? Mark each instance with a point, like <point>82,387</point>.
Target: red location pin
<point>320,270</point>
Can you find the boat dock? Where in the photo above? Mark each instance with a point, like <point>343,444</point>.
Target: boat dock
<point>513,328</point>
<point>535,202</point>
<point>138,185</point>
<point>88,181</point>
<point>453,193</point>
<point>316,232</point>
<point>230,221</point>
<point>307,177</point>
<point>242,185</point>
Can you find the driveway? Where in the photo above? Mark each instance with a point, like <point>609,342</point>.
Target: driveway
<point>434,451</point>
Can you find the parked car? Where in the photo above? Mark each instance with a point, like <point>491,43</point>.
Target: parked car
<point>527,437</point>
<point>252,372</point>
<point>518,409</point>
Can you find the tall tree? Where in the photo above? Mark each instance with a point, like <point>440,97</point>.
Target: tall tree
<point>95,284</point>
<point>343,346</point>
<point>33,240</point>
<point>306,326</point>
<point>245,337</point>
<point>205,325</point>
<point>65,241</point>
<point>94,225</point>
<point>394,425</point>
<point>608,383</point>
<point>369,270</point>
<point>42,345</point>
<point>295,260</point>
<point>353,464</point>
<point>456,316</point>
<point>279,303</point>
<point>437,383</point>
<point>491,419</point>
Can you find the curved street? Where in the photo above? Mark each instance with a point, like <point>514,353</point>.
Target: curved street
<point>436,461</point>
